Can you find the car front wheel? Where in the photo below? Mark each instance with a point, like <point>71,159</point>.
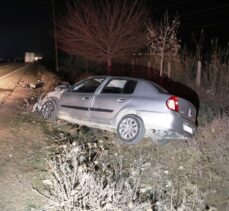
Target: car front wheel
<point>49,110</point>
<point>131,129</point>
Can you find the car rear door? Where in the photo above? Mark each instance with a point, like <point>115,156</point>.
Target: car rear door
<point>76,102</point>
<point>115,95</point>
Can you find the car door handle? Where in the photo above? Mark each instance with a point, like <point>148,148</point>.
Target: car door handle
<point>121,100</point>
<point>85,98</point>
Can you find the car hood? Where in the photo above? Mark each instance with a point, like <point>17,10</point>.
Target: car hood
<point>55,94</point>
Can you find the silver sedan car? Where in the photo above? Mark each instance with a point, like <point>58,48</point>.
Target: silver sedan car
<point>132,107</point>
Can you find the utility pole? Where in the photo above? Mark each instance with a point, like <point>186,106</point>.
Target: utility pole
<point>54,32</point>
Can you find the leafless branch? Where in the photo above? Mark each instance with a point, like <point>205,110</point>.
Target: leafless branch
<point>163,40</point>
<point>103,30</point>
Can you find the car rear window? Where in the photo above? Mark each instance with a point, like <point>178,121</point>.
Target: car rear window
<point>160,89</point>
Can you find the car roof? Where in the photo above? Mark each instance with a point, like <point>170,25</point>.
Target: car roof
<point>120,77</point>
<point>144,86</point>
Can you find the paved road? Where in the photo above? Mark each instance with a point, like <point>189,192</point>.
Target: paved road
<point>21,141</point>
<point>11,74</point>
<point>8,68</point>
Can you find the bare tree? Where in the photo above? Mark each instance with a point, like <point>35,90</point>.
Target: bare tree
<point>103,30</point>
<point>163,41</point>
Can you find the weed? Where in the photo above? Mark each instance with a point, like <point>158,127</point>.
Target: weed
<point>208,112</point>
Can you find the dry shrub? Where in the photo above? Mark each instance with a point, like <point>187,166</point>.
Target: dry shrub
<point>198,170</point>
<point>85,176</point>
<point>79,182</point>
<point>218,132</point>
<point>209,112</point>
<point>213,142</point>
<point>194,174</point>
<point>173,175</point>
<point>216,71</point>
<point>50,80</point>
<point>179,176</point>
<point>169,174</point>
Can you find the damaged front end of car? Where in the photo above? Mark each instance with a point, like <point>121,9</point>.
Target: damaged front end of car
<point>56,94</point>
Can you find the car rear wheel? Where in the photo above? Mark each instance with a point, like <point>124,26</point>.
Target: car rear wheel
<point>131,129</point>
<point>49,110</point>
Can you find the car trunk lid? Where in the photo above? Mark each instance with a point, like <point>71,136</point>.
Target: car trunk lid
<point>187,110</point>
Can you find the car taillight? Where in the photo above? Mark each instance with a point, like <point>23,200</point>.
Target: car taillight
<point>173,104</point>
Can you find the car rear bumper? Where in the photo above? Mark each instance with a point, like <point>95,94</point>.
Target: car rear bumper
<point>168,126</point>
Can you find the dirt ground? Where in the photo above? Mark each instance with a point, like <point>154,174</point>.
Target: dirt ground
<point>22,143</point>
<point>21,151</point>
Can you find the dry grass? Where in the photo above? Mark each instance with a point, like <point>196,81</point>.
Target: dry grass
<point>50,79</point>
<point>79,182</point>
<point>91,171</point>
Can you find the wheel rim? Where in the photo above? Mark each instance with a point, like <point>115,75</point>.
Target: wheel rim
<point>128,128</point>
<point>48,110</point>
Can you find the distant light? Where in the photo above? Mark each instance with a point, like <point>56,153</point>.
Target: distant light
<point>37,58</point>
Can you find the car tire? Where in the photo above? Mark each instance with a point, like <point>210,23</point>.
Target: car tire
<point>131,129</point>
<point>49,110</point>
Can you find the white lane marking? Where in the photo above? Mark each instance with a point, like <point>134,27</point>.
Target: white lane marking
<point>13,72</point>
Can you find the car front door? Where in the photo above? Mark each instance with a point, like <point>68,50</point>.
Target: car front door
<point>75,103</point>
<point>113,97</point>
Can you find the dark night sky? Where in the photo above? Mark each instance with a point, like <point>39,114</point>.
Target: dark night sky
<point>210,15</point>
<point>26,25</point>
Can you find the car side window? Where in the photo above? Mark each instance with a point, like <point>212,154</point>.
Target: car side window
<point>88,86</point>
<point>130,87</point>
<point>120,86</point>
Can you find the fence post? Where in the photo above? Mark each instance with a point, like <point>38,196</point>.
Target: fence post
<point>148,69</point>
<point>169,70</point>
<point>132,64</point>
<point>198,74</point>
